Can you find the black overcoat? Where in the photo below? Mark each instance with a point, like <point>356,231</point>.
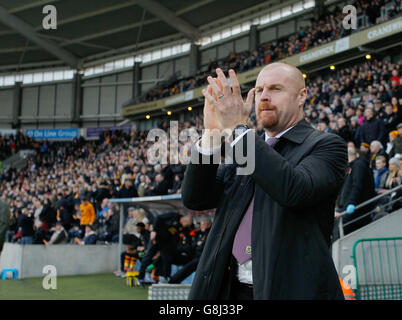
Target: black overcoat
<point>296,185</point>
<point>357,188</point>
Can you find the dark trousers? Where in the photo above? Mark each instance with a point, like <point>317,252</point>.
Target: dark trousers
<point>238,290</point>
<point>169,256</point>
<point>147,259</point>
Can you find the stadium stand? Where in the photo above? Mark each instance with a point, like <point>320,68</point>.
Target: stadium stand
<point>62,193</point>
<point>325,29</point>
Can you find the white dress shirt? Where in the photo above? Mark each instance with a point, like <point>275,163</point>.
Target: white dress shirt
<point>244,271</point>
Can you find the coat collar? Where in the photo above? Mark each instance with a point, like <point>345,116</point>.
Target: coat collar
<point>299,132</point>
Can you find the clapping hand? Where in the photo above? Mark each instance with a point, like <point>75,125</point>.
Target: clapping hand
<point>224,107</point>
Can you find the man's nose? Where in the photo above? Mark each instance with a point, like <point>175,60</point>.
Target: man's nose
<point>265,96</point>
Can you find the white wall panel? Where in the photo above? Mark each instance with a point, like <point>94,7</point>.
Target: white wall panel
<point>125,76</point>
<point>47,100</point>
<point>149,72</point>
<point>6,103</point>
<point>107,100</point>
<point>90,103</point>
<point>65,125</point>
<point>64,97</point>
<point>29,101</point>
<point>287,28</point>
<point>108,95</point>
<point>242,44</point>
<point>90,124</point>
<point>166,69</point>
<point>267,34</point>
<point>225,49</point>
<point>208,55</point>
<point>182,66</point>
<point>106,124</point>
<point>123,95</point>
<point>303,22</point>
<point>124,92</point>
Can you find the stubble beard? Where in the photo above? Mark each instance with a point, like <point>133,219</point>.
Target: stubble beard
<point>267,119</point>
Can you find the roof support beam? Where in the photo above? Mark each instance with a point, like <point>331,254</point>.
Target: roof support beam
<point>32,5</point>
<point>28,32</point>
<point>170,18</point>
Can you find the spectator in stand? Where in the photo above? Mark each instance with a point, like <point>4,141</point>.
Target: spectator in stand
<point>176,188</point>
<point>380,173</point>
<point>390,118</point>
<point>396,90</point>
<point>160,186</point>
<point>87,213</point>
<point>343,130</point>
<point>392,181</point>
<point>4,221</point>
<point>376,149</point>
<point>395,77</point>
<point>111,222</point>
<point>128,191</point>
<point>357,188</point>
<point>323,126</point>
<point>392,137</point>
<point>365,150</point>
<point>105,206</point>
<point>392,178</point>
<point>26,225</point>
<point>89,236</point>
<point>65,216</point>
<point>371,129</point>
<point>141,186</point>
<point>59,235</point>
<point>130,233</point>
<point>397,144</point>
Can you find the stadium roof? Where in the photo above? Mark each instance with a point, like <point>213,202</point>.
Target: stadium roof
<point>92,30</point>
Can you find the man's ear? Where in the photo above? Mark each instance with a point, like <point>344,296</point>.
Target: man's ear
<point>302,96</point>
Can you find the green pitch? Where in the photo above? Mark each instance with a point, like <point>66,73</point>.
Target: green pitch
<point>88,287</point>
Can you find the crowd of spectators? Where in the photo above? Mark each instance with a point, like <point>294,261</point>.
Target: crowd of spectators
<point>326,28</point>
<point>11,144</point>
<point>67,182</point>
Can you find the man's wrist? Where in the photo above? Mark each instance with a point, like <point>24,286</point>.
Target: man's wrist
<point>239,130</point>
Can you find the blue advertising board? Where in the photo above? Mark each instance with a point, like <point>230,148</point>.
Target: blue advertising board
<point>52,134</point>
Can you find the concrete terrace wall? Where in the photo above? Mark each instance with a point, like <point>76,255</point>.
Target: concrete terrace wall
<point>68,259</point>
<point>388,226</point>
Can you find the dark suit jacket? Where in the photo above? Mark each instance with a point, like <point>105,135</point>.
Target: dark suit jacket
<point>296,185</point>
